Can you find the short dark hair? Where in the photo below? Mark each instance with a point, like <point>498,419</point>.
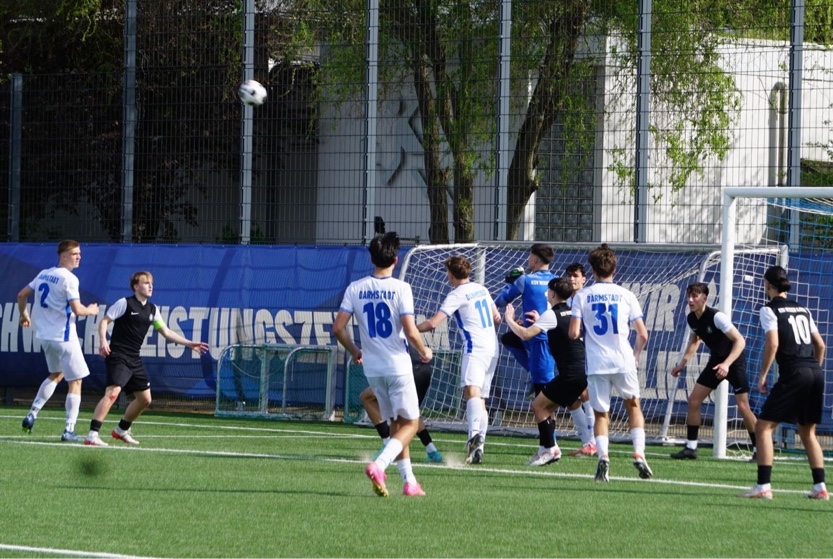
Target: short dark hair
<point>576,267</point>
<point>542,251</point>
<point>777,278</point>
<point>697,288</point>
<point>459,266</point>
<point>603,260</point>
<point>384,249</point>
<point>561,287</point>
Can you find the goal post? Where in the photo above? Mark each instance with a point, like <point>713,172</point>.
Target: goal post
<point>798,221</point>
<point>657,274</point>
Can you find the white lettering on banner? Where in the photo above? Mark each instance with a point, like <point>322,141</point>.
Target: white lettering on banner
<point>224,326</point>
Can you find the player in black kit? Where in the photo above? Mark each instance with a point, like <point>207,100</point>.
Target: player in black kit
<point>726,362</point>
<point>566,388</point>
<point>793,341</point>
<point>131,318</point>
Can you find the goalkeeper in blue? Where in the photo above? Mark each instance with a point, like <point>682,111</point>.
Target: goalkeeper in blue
<point>532,354</point>
<point>384,310</point>
<point>475,315</point>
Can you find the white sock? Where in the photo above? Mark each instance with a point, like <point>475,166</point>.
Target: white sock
<point>406,471</point>
<point>591,419</point>
<point>474,415</point>
<point>484,420</point>
<point>430,447</point>
<point>73,404</point>
<point>45,392</point>
<point>392,449</point>
<point>638,439</point>
<point>602,445</point>
<point>691,444</point>
<point>819,487</point>
<point>580,421</point>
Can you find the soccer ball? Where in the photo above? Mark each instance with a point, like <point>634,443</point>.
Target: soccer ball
<point>251,93</point>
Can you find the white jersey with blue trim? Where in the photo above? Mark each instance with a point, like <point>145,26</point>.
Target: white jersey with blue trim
<point>471,307</point>
<point>378,305</point>
<point>607,310</point>
<point>52,317</point>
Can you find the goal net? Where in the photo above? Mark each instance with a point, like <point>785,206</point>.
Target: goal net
<point>658,275</point>
<point>799,222</point>
<point>276,381</point>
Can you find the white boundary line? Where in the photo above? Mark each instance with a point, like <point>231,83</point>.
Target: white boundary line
<point>70,552</point>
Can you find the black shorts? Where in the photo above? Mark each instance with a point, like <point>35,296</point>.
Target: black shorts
<point>564,390</point>
<point>422,379</point>
<point>127,372</point>
<point>737,376</point>
<point>797,397</point>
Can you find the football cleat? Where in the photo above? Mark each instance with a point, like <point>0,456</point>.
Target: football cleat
<point>413,490</point>
<point>123,436</point>
<point>377,477</point>
<point>821,495</point>
<point>602,469</point>
<point>474,449</point>
<point>588,449</point>
<point>546,456</point>
<point>28,422</point>
<point>434,456</point>
<point>71,437</point>
<point>94,440</point>
<point>685,454</point>
<point>642,467</point>
<point>757,492</point>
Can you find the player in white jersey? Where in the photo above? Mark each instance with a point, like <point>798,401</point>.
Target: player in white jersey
<point>57,303</point>
<point>384,310</point>
<point>475,315</point>
<point>608,311</point>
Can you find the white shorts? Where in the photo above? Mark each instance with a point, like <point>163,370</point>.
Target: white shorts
<point>66,358</point>
<point>598,388</point>
<point>477,371</point>
<point>397,396</point>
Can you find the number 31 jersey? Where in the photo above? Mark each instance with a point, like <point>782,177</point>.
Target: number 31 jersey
<point>606,310</point>
<point>378,305</point>
<point>470,305</point>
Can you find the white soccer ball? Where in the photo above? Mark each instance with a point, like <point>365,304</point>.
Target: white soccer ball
<point>251,93</point>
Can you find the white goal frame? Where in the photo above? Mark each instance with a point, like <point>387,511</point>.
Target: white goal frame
<point>728,242</point>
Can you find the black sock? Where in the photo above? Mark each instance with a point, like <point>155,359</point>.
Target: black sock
<point>124,425</point>
<point>425,437</point>
<point>383,429</point>
<point>818,475</point>
<point>692,432</point>
<point>764,474</point>
<point>546,432</point>
<point>95,425</point>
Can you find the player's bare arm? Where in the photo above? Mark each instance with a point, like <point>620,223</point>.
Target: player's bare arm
<point>690,350</point>
<point>641,337</point>
<point>415,338</point>
<point>818,347</point>
<point>523,332</point>
<point>23,306</point>
<point>738,345</point>
<point>172,336</point>
<point>770,348</point>
<point>103,343</point>
<point>83,310</point>
<point>431,323</point>
<point>344,337</point>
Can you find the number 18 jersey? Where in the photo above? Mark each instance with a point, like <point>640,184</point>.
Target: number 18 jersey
<point>606,310</point>
<point>378,305</point>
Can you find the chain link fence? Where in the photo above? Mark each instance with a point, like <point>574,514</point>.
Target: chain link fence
<point>566,121</point>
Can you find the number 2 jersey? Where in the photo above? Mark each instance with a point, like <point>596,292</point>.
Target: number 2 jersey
<point>795,325</point>
<point>378,305</point>
<point>606,310</point>
<point>470,305</point>
<point>52,317</point>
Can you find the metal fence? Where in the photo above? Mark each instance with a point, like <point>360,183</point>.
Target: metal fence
<point>564,121</point>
